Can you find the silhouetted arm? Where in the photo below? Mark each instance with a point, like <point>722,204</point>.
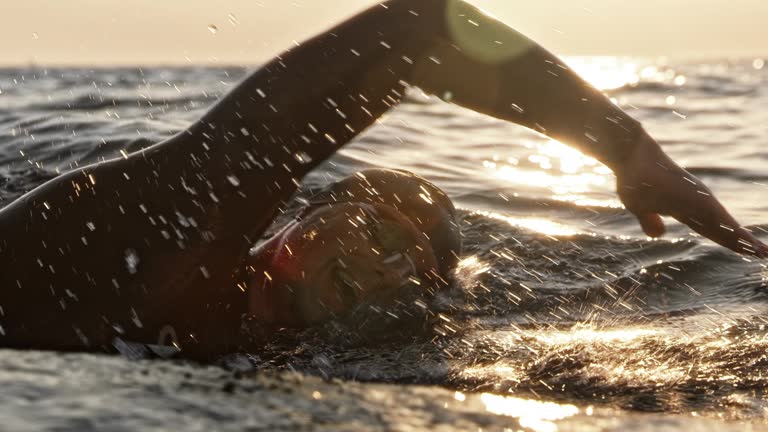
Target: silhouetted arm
<point>320,95</point>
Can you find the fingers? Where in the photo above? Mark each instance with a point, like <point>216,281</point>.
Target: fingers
<point>710,219</point>
<point>762,250</point>
<point>652,224</point>
<point>701,211</point>
<point>754,247</point>
<point>650,184</point>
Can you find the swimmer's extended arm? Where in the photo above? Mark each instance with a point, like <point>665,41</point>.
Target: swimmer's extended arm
<point>485,65</point>
<point>320,95</point>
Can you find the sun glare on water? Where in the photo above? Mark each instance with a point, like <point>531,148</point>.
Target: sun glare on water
<point>590,335</point>
<point>569,174</point>
<point>540,225</point>
<point>535,415</point>
<point>606,73</point>
<point>472,265</point>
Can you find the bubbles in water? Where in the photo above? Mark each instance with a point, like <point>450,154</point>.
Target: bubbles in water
<point>213,29</point>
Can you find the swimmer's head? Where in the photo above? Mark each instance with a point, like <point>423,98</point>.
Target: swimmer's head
<point>334,259</point>
<point>426,205</point>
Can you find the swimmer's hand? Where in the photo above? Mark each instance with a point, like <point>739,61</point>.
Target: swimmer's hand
<point>651,184</point>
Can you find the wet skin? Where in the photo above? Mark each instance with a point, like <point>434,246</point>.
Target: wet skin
<point>173,224</point>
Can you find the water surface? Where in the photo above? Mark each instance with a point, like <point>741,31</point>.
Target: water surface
<point>559,297</point>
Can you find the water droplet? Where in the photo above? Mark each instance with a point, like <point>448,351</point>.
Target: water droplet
<point>35,36</point>
<point>131,261</point>
<point>182,220</point>
<point>90,226</point>
<point>213,29</point>
<point>671,100</point>
<point>302,157</point>
<point>233,19</point>
<point>758,64</point>
<point>135,318</point>
<point>680,80</point>
<point>233,180</point>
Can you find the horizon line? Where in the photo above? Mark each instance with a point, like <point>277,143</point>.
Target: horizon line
<point>232,64</point>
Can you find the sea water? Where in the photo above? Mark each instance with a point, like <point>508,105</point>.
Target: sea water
<point>560,306</point>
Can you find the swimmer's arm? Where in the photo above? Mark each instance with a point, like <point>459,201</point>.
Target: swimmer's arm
<point>485,65</point>
<point>313,99</point>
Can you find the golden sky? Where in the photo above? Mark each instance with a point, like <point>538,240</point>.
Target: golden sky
<point>102,32</point>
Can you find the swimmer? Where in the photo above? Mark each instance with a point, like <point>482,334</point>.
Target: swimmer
<point>364,241</point>
<point>159,240</point>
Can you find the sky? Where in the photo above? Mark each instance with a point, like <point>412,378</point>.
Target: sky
<point>171,32</point>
